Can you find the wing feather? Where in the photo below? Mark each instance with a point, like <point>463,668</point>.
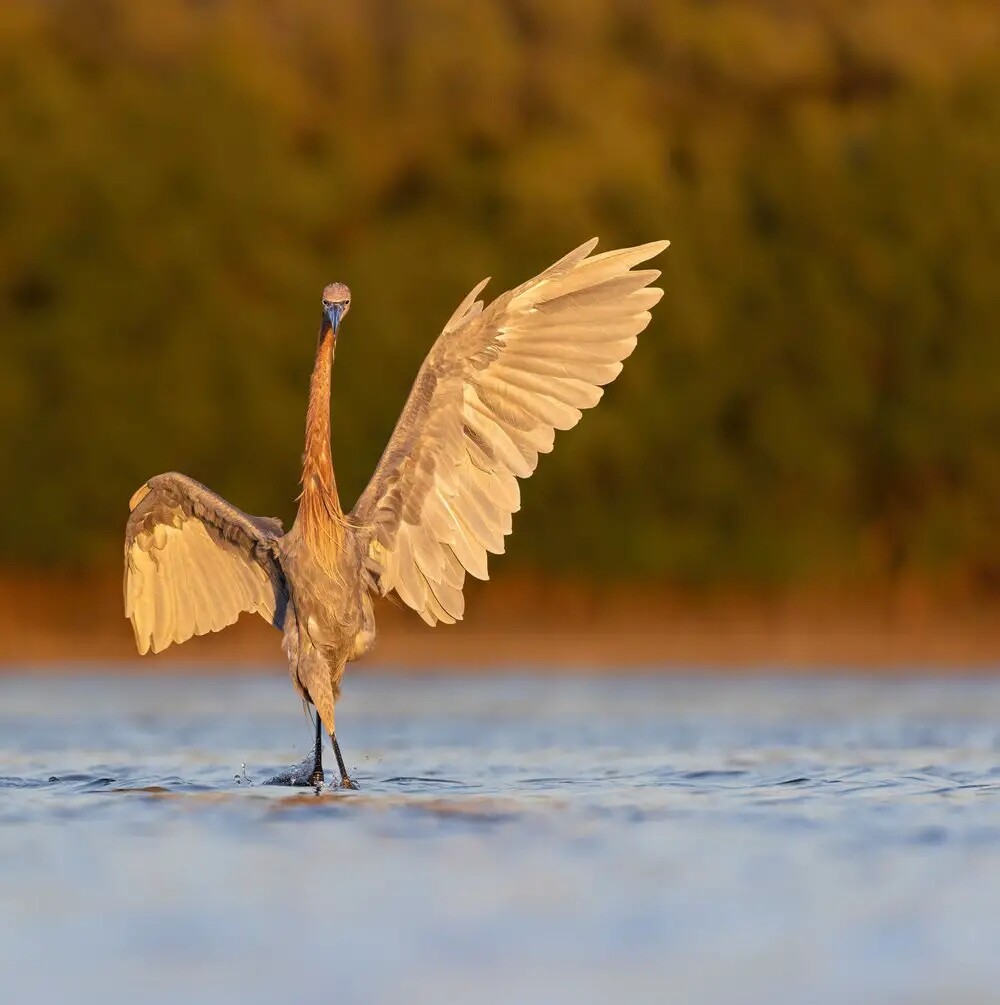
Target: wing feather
<point>193,563</point>
<point>488,399</point>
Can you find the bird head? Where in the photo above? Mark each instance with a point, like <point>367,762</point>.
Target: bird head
<point>336,303</point>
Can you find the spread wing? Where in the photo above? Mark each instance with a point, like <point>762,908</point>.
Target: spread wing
<point>495,386</point>
<point>193,563</point>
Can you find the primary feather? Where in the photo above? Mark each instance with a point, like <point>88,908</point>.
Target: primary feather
<point>194,562</point>
<point>492,392</point>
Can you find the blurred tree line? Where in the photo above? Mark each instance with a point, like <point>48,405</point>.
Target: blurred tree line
<point>819,392</point>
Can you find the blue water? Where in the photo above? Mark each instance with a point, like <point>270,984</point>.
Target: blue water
<point>516,840</point>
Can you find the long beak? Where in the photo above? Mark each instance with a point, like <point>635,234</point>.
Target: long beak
<point>334,313</point>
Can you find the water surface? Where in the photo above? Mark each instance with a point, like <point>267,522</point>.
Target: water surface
<point>518,840</point>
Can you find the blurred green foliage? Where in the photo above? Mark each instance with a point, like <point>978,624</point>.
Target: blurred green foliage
<point>818,394</point>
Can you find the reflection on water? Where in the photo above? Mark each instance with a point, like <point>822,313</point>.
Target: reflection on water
<point>515,840</point>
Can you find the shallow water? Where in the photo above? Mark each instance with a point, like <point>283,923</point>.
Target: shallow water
<point>517,840</point>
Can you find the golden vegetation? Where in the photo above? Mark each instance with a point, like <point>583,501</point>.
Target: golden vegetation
<point>818,395</point>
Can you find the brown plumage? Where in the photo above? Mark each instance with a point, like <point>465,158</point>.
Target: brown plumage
<point>487,400</point>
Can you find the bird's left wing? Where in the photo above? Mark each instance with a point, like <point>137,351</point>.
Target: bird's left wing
<point>495,386</point>
<point>194,562</point>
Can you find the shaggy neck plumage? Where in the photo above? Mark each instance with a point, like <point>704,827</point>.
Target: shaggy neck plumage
<point>319,504</point>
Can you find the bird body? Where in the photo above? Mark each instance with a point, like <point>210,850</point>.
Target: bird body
<point>492,391</point>
<point>332,620</point>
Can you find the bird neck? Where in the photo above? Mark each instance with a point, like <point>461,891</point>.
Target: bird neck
<point>319,504</point>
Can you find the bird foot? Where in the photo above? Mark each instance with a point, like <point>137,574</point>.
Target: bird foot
<point>348,783</point>
<point>305,774</point>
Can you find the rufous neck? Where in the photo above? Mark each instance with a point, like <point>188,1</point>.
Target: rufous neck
<point>319,487</point>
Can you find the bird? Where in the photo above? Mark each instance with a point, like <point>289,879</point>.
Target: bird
<point>496,384</point>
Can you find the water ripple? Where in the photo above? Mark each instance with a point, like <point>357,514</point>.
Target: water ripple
<point>580,840</point>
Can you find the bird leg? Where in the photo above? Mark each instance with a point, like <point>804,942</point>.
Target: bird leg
<point>346,782</point>
<point>317,773</point>
<point>309,771</point>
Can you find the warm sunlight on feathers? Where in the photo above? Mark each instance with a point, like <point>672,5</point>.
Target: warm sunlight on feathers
<point>488,399</point>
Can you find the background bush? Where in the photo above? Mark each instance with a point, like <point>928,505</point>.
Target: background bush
<point>819,392</point>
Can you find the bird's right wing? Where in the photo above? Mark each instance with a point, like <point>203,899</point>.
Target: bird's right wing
<point>194,562</point>
<point>495,386</point>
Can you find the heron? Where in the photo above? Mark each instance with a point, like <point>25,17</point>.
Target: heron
<point>497,383</point>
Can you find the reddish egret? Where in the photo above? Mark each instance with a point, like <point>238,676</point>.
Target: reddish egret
<point>487,400</point>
